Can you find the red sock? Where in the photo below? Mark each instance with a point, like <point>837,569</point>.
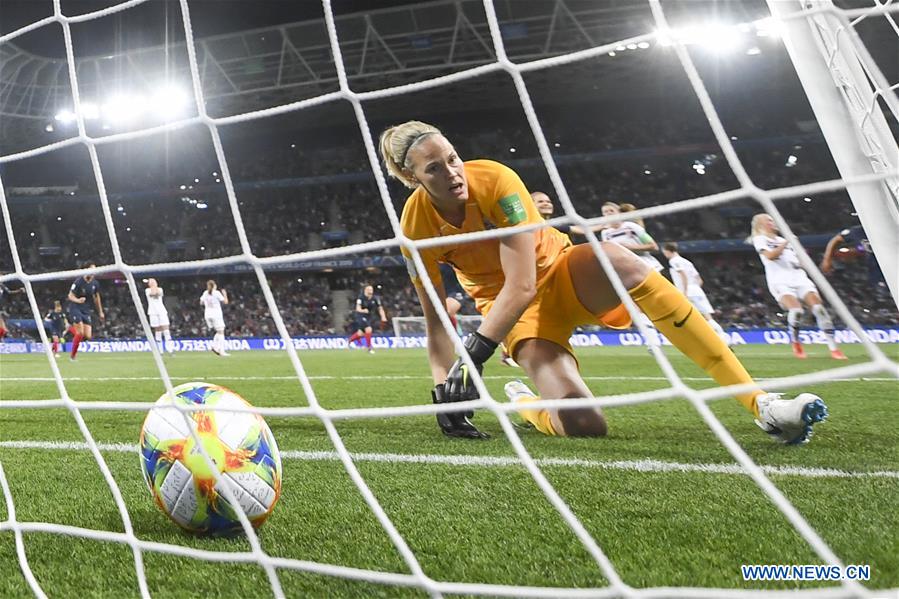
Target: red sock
<point>71,331</point>
<point>453,320</point>
<point>75,342</point>
<point>56,347</point>
<point>355,337</point>
<point>368,340</point>
<point>2,333</point>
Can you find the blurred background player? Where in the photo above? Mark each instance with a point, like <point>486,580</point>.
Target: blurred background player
<point>159,317</point>
<point>212,300</point>
<point>686,278</point>
<point>5,292</point>
<point>83,296</point>
<point>634,237</point>
<point>363,316</point>
<point>55,323</point>
<point>858,239</point>
<point>789,283</point>
<point>454,295</point>
<point>546,208</point>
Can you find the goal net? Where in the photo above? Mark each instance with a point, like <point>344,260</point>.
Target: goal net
<point>824,36</point>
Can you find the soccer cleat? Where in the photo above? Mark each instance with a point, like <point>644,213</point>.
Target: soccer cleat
<point>56,356</point>
<point>507,360</point>
<point>225,354</point>
<point>798,351</point>
<point>790,421</point>
<point>371,351</point>
<point>838,355</point>
<point>516,390</point>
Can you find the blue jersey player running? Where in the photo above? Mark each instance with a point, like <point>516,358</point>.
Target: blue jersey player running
<point>364,316</point>
<point>4,293</point>
<point>56,323</point>
<point>83,296</point>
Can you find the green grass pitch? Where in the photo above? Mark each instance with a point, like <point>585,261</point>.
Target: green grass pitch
<point>474,521</point>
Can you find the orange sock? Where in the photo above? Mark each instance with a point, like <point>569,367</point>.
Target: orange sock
<point>676,318</point>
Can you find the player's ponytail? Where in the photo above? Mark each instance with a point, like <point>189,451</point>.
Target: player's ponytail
<point>395,144</point>
<point>756,228</point>
<point>628,207</point>
<point>210,285</point>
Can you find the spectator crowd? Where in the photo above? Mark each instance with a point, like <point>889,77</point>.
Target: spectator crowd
<point>294,197</point>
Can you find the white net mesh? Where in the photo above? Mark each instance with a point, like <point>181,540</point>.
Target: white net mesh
<point>418,578</point>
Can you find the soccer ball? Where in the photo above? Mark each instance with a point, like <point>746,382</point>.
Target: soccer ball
<point>240,445</point>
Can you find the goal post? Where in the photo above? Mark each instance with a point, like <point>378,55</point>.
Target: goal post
<point>840,93</point>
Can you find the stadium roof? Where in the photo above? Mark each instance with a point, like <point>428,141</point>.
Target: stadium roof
<point>279,63</point>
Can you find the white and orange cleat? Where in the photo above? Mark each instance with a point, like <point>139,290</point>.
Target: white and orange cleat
<point>836,354</point>
<point>798,351</point>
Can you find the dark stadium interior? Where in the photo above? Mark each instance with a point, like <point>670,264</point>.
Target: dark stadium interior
<point>626,129</point>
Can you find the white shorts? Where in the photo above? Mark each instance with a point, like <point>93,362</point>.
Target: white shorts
<point>798,287</point>
<point>215,322</point>
<point>701,301</point>
<point>651,261</point>
<point>159,320</point>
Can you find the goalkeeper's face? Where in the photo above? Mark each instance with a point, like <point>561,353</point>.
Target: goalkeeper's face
<point>438,168</point>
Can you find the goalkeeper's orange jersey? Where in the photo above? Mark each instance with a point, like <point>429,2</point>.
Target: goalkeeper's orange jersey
<point>496,198</point>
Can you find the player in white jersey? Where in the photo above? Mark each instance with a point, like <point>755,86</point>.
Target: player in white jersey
<point>159,316</point>
<point>789,283</point>
<point>686,278</point>
<point>635,238</point>
<point>213,299</point>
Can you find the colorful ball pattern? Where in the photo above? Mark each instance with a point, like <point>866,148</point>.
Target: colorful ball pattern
<point>240,445</point>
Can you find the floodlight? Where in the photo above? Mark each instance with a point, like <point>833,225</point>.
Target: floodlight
<point>169,103</point>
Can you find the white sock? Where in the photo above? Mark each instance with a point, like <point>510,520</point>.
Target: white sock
<point>794,317</point>
<point>218,342</point>
<point>169,346</point>
<point>652,334</point>
<point>717,328</point>
<point>825,323</point>
<point>158,336</point>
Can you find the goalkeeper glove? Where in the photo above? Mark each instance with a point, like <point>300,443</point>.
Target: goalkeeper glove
<point>455,424</point>
<point>458,385</point>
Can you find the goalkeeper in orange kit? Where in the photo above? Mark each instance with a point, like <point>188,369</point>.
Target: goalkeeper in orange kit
<point>533,288</point>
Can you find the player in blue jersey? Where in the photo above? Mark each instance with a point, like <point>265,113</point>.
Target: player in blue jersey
<point>367,304</point>
<point>56,323</point>
<point>5,292</point>
<point>83,296</point>
<point>455,296</point>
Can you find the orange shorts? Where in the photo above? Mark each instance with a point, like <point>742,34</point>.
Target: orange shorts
<point>556,311</point>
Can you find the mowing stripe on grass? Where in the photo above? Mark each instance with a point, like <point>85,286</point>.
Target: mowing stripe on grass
<point>374,377</point>
<point>498,461</point>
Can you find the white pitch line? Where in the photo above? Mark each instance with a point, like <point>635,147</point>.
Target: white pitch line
<point>498,461</point>
<point>383,377</point>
